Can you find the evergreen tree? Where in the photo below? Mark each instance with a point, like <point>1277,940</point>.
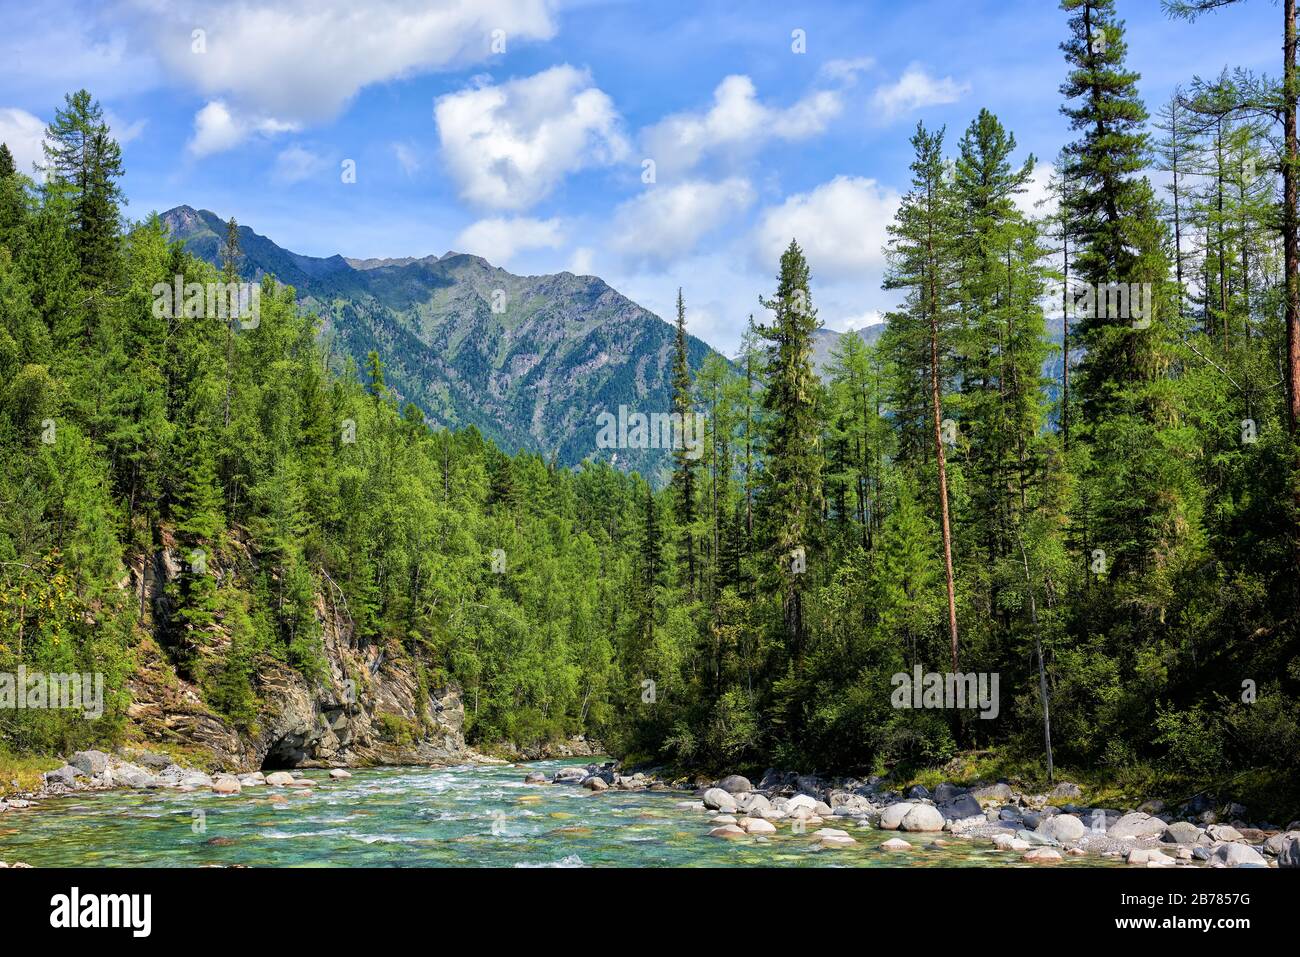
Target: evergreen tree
<point>792,439</point>
<point>923,252</point>
<point>81,152</point>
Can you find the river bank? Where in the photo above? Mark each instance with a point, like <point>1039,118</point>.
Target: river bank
<point>583,808</point>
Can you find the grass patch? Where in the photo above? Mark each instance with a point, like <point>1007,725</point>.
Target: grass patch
<point>1267,795</point>
<point>25,769</point>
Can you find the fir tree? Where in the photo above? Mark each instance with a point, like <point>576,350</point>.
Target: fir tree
<point>81,152</point>
<point>792,439</point>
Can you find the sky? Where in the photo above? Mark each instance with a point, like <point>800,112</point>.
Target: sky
<point>655,145</point>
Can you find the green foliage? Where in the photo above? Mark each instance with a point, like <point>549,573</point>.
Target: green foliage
<point>674,623</point>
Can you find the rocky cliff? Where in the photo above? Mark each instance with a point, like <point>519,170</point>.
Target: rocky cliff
<point>367,708</point>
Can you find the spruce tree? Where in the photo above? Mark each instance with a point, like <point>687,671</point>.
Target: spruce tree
<point>792,438</point>
<point>81,152</point>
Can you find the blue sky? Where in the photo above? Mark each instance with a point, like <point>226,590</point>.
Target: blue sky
<point>535,156</point>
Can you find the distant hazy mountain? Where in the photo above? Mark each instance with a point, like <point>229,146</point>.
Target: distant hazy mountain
<point>827,340</point>
<point>535,373</point>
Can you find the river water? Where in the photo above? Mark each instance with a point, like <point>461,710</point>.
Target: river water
<point>431,817</point>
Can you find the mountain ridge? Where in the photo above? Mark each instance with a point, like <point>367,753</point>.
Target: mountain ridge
<point>528,360</point>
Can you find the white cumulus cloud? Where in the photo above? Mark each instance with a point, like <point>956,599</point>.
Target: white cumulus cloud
<point>666,222</point>
<point>509,145</point>
<point>304,60</point>
<point>217,128</point>
<point>840,225</point>
<point>24,134</point>
<point>1037,199</point>
<point>737,122</point>
<point>498,239</point>
<point>916,89</point>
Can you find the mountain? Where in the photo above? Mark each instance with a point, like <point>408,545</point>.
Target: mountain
<point>532,373</point>
<point>827,340</point>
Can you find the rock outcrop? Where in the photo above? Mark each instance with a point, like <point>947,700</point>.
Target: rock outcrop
<point>366,708</point>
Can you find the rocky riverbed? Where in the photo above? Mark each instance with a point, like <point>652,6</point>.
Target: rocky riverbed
<point>1042,828</point>
<point>139,808</point>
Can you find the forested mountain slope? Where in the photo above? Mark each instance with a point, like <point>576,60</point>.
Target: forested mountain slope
<point>533,374</point>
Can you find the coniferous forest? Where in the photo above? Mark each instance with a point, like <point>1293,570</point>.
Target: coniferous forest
<point>1109,523</point>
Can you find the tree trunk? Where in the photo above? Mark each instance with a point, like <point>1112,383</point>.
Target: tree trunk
<point>1291,245</point>
<point>943,485</point>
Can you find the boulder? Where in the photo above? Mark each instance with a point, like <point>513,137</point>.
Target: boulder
<point>922,817</point>
<point>1067,790</point>
<point>534,777</point>
<point>90,763</point>
<point>801,800</point>
<point>1237,855</point>
<point>946,793</point>
<point>1137,825</point>
<point>595,783</point>
<point>994,793</point>
<point>1147,856</point>
<point>132,776</point>
<point>729,831</point>
<point>152,760</point>
<point>754,804</point>
<point>960,808</point>
<point>1043,855</point>
<point>896,844</point>
<point>837,840</point>
<point>569,776</point>
<point>716,799</point>
<point>226,784</point>
<point>66,776</point>
<point>338,774</point>
<point>891,818</point>
<point>735,784</point>
<point>1288,854</point>
<point>279,779</point>
<point>1223,832</point>
<point>1062,828</point>
<point>919,792</point>
<point>1181,832</point>
<point>756,825</point>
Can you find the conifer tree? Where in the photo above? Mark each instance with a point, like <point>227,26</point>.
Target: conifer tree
<point>792,439</point>
<point>81,152</point>
<point>923,252</point>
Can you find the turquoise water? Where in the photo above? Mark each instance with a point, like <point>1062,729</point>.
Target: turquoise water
<point>428,817</point>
